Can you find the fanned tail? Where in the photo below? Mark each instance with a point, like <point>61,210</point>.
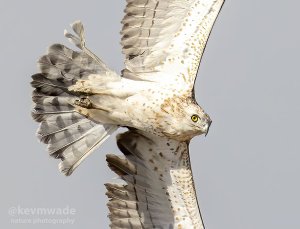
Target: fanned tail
<point>70,136</point>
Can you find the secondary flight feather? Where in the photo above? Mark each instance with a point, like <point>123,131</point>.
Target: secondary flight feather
<point>80,102</point>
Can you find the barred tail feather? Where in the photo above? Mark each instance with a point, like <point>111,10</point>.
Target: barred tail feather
<point>70,136</point>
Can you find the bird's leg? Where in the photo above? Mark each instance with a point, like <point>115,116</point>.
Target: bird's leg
<point>84,102</point>
<point>118,89</point>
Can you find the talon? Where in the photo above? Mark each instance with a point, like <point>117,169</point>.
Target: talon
<point>83,102</point>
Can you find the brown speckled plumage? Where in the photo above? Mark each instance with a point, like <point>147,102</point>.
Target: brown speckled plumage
<point>80,102</point>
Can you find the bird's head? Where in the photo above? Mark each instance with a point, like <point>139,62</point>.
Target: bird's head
<point>199,121</point>
<point>185,119</point>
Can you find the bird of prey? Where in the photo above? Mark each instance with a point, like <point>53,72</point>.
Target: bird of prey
<point>80,102</point>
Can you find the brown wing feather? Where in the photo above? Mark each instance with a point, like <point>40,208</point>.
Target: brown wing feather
<point>167,38</point>
<point>159,190</point>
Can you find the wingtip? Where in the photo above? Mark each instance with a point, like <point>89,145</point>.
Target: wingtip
<point>67,171</point>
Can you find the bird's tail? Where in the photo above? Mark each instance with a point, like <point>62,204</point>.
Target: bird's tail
<point>70,135</point>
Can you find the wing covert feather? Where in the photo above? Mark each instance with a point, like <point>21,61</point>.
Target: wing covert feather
<point>159,190</point>
<point>164,40</point>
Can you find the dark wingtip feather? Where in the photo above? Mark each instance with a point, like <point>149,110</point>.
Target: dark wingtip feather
<point>44,139</point>
<point>114,164</point>
<point>38,117</point>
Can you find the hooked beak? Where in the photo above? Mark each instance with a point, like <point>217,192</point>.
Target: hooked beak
<point>209,123</point>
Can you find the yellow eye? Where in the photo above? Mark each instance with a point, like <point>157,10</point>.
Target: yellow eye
<point>195,118</point>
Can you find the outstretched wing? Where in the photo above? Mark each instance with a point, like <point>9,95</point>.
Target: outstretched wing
<point>159,190</point>
<point>165,39</point>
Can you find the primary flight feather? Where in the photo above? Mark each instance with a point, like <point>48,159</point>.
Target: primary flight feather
<point>80,102</point>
